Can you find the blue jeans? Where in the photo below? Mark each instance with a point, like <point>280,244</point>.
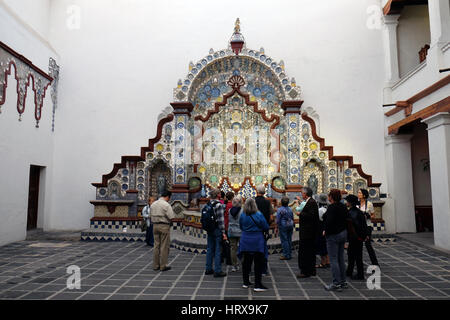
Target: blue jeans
<point>149,235</point>
<point>335,248</point>
<point>214,251</point>
<point>286,240</point>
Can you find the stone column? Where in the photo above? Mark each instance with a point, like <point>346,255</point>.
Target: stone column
<point>390,48</point>
<point>293,132</point>
<point>132,195</point>
<point>439,144</point>
<point>400,184</point>
<point>440,35</point>
<point>439,13</point>
<point>182,151</point>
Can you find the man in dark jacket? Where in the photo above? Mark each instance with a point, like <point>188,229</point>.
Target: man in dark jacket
<point>266,208</point>
<point>335,230</point>
<point>356,237</point>
<point>309,227</point>
<point>263,204</point>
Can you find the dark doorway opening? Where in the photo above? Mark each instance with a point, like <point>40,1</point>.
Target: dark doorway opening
<point>33,197</point>
<point>421,177</point>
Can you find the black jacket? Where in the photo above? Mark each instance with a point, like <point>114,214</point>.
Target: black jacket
<point>309,220</point>
<point>265,207</point>
<point>335,219</point>
<point>358,220</point>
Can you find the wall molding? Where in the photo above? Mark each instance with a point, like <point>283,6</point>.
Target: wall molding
<point>440,106</point>
<point>409,75</point>
<point>25,72</point>
<point>407,105</point>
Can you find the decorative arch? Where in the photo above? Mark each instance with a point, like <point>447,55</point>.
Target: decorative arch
<point>185,89</point>
<point>158,163</point>
<point>236,82</point>
<point>319,168</point>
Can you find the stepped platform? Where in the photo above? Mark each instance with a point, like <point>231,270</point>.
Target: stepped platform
<point>182,241</point>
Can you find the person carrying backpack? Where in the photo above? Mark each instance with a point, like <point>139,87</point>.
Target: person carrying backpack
<point>212,220</point>
<point>356,237</point>
<point>234,230</point>
<point>285,222</point>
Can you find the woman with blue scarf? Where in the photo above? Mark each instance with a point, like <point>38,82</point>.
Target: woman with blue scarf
<point>252,246</point>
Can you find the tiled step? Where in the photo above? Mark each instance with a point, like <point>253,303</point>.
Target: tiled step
<point>184,242</point>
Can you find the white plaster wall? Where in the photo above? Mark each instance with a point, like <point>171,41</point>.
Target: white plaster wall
<point>413,32</point>
<point>35,13</point>
<point>21,143</point>
<point>120,67</point>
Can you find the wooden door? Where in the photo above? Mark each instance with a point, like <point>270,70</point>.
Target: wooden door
<point>33,197</point>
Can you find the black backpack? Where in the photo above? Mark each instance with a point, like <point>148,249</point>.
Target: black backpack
<point>208,219</point>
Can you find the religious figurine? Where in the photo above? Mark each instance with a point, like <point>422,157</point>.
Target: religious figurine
<point>168,134</point>
<point>193,203</point>
<point>161,184</point>
<point>313,183</point>
<point>203,193</point>
<point>114,191</point>
<point>269,190</point>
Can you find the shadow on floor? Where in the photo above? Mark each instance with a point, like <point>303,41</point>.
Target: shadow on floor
<point>40,234</point>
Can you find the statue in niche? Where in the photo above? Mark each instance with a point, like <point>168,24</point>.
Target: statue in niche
<point>313,183</point>
<point>168,134</point>
<point>162,184</point>
<point>114,191</point>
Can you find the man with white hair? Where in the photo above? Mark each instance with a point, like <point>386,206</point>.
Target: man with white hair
<point>266,208</point>
<point>308,231</point>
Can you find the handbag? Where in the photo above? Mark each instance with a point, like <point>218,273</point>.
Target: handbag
<point>289,221</point>
<point>143,225</point>
<point>266,234</point>
<point>226,252</point>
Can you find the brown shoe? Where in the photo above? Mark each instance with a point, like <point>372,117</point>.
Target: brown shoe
<point>283,258</point>
<point>302,276</point>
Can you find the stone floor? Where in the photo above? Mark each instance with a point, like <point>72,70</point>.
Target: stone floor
<point>123,270</point>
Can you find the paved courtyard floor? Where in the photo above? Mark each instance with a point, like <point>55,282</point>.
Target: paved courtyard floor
<point>121,270</point>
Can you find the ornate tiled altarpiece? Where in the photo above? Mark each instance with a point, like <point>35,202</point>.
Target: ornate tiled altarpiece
<point>236,122</point>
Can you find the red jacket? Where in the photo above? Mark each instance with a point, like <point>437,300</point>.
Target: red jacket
<point>226,214</point>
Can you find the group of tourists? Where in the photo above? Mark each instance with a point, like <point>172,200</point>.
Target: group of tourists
<point>238,231</point>
<point>242,227</point>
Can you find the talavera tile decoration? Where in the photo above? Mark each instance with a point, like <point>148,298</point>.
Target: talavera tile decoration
<point>236,122</point>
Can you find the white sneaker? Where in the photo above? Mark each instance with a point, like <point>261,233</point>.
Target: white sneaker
<point>260,289</point>
<point>245,286</point>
